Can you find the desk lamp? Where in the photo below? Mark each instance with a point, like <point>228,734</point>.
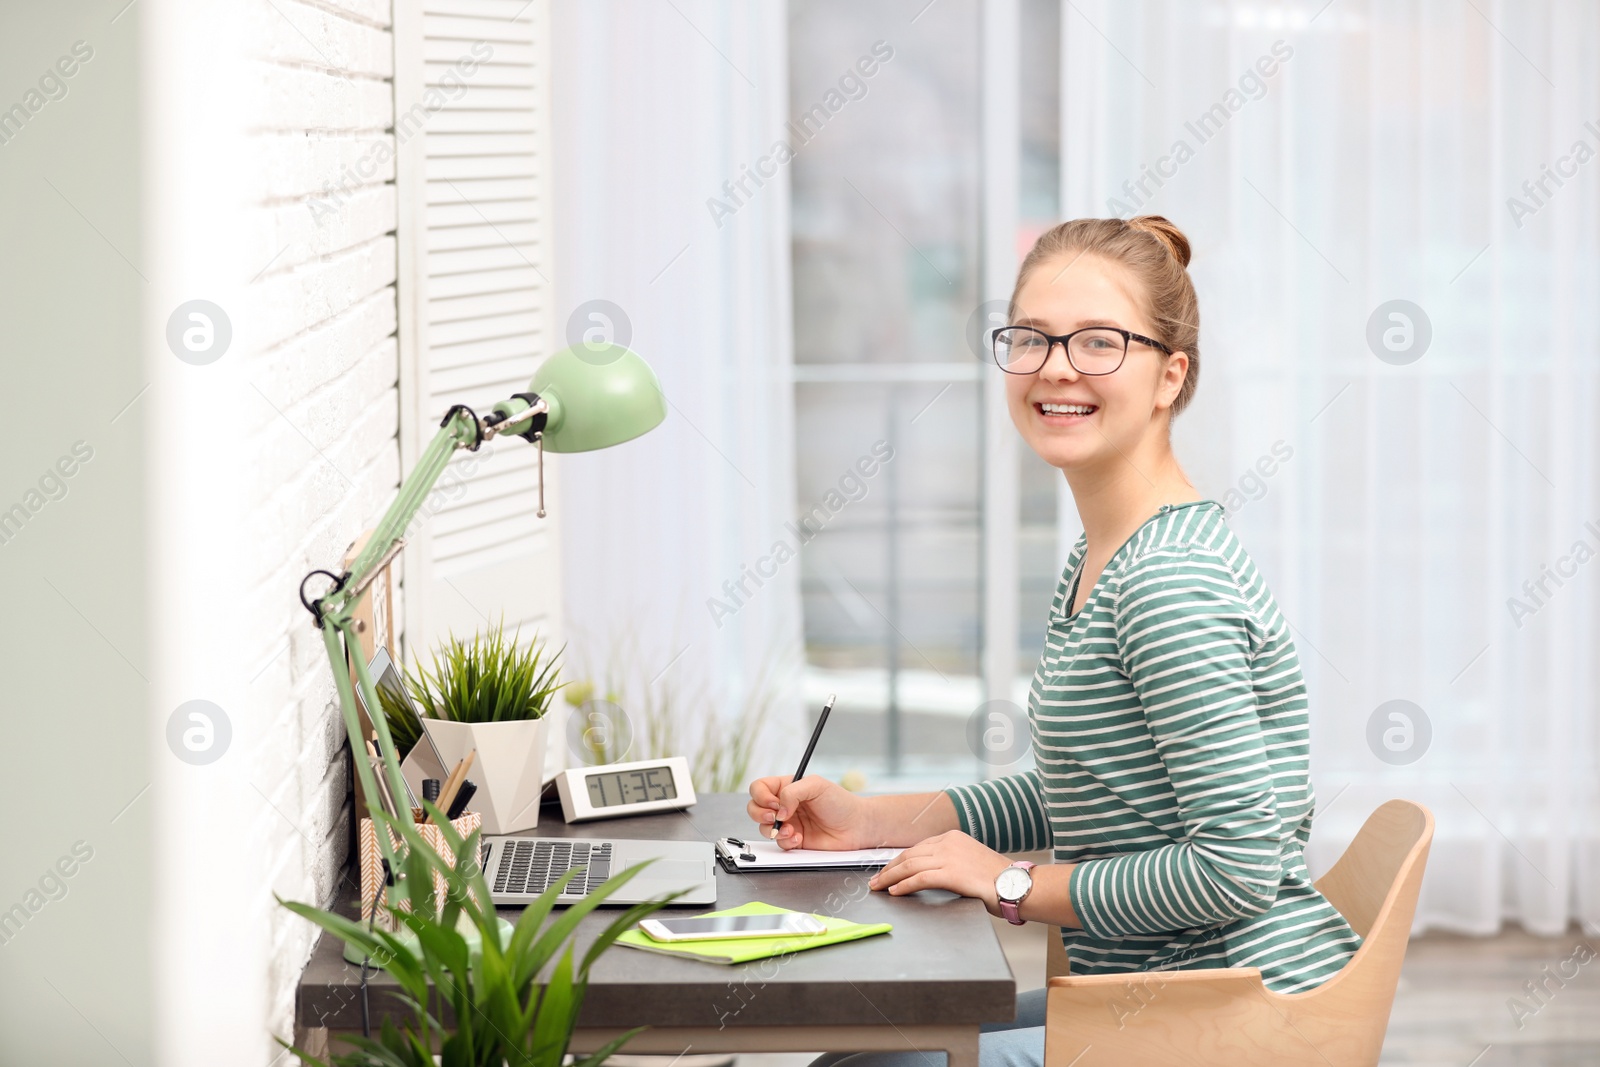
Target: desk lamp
<point>583,398</point>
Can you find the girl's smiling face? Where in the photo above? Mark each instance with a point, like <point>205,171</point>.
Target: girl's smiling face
<point>1112,416</point>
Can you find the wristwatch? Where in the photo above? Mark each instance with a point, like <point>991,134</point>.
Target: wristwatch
<point>1012,887</point>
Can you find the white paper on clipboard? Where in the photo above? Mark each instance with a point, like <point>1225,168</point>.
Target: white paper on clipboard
<point>769,857</point>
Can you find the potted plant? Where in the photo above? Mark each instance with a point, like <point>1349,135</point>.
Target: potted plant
<point>454,950</point>
<point>490,694</point>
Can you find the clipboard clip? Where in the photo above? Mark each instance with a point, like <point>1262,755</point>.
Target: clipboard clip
<point>725,851</point>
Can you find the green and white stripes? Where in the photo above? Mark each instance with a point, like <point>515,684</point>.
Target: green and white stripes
<point>1171,745</point>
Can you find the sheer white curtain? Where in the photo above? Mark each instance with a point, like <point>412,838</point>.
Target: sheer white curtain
<point>1418,481</point>
<point>657,107</point>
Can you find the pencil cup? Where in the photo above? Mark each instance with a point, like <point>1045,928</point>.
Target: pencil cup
<point>372,859</point>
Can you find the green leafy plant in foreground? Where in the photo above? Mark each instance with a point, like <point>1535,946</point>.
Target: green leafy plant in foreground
<point>505,1015</point>
<point>489,678</point>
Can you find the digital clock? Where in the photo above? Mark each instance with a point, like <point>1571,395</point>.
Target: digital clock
<point>617,789</point>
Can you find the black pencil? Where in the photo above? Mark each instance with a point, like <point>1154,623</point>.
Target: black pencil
<point>822,720</point>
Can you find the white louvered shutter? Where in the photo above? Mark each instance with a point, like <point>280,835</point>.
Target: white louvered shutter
<point>474,188</point>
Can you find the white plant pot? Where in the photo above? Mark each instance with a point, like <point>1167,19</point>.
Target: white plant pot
<point>509,770</point>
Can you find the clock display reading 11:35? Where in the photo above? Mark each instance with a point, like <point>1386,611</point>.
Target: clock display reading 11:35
<point>631,787</point>
<point>619,790</point>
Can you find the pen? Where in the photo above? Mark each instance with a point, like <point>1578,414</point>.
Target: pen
<point>822,720</point>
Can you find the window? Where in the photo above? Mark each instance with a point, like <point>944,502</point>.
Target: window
<point>888,216</point>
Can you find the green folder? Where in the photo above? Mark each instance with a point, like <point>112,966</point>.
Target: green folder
<point>745,949</point>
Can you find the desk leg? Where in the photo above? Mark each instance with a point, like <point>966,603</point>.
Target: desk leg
<point>963,1049</point>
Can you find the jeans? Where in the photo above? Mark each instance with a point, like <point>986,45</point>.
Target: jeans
<point>1015,1044</point>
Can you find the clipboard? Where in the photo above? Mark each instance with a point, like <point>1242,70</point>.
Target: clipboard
<point>765,855</point>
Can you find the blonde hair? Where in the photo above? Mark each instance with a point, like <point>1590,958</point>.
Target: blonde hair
<point>1156,253</point>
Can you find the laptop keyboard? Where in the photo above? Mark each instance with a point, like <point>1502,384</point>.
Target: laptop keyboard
<point>532,866</point>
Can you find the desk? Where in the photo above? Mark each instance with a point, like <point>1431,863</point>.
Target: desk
<point>928,985</point>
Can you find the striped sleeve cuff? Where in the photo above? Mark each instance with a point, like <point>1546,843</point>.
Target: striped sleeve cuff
<point>1006,814</point>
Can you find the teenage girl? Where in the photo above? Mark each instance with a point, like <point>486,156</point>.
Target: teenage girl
<point>1168,712</point>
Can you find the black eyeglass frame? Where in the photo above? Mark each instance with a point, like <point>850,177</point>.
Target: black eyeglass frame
<point>1051,340</point>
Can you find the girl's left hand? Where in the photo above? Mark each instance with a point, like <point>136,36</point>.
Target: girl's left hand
<point>951,860</point>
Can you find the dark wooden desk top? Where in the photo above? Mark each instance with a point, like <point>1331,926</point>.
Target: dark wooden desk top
<point>941,965</point>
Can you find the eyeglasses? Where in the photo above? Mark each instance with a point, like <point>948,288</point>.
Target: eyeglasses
<point>1091,351</point>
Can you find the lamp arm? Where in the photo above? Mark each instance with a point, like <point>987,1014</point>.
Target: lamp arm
<point>334,612</point>
<point>337,639</point>
<point>459,430</point>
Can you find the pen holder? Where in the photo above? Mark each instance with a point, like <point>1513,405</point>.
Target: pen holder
<point>372,859</point>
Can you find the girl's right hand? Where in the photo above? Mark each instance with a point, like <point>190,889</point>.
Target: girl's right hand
<point>815,812</point>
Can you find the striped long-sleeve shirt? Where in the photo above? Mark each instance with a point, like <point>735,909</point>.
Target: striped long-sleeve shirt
<point>1171,747</point>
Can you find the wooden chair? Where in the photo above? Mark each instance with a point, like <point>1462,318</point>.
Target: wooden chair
<point>1227,1017</point>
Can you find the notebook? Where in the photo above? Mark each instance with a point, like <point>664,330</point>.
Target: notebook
<point>745,949</point>
<point>767,856</point>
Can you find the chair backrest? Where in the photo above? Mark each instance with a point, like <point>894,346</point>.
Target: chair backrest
<point>1369,876</point>
<point>1227,1016</point>
<point>1375,886</point>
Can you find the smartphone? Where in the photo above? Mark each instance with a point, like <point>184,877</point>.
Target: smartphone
<point>716,927</point>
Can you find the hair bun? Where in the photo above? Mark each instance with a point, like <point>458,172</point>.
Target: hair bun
<point>1164,231</point>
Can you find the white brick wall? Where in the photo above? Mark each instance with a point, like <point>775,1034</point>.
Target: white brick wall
<point>323,436</point>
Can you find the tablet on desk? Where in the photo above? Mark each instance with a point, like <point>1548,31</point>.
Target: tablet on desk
<point>423,761</point>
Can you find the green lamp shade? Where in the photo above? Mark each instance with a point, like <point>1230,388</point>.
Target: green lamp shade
<point>599,395</point>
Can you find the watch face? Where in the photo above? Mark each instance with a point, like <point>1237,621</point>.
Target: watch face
<point>1013,883</point>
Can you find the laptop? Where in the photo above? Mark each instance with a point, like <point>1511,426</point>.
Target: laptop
<point>519,868</point>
